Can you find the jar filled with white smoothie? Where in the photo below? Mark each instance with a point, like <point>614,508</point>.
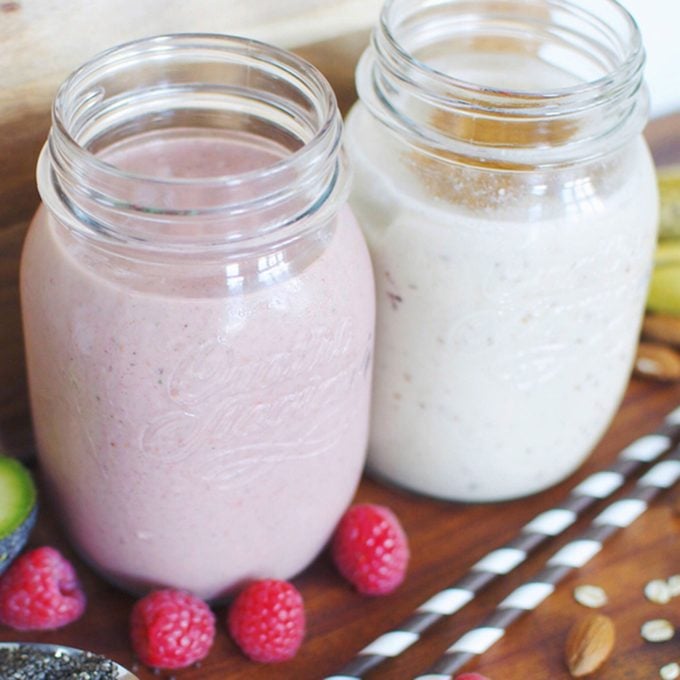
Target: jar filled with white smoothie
<point>510,207</point>
<point>198,306</point>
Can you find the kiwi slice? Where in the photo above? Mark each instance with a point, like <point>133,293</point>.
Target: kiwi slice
<point>18,509</point>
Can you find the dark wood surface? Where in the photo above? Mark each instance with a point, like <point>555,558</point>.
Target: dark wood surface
<point>446,539</point>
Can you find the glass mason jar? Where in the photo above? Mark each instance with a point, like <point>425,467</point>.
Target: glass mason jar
<point>198,310</point>
<point>510,207</point>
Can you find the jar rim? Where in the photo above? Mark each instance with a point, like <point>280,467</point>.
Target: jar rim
<point>220,83</point>
<point>633,62</point>
<point>229,43</point>
<point>512,126</point>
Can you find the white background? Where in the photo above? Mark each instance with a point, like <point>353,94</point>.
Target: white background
<point>659,21</point>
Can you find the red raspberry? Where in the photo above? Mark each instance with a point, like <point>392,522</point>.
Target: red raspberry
<point>370,549</point>
<point>40,591</point>
<point>171,629</point>
<point>267,621</point>
<point>471,676</point>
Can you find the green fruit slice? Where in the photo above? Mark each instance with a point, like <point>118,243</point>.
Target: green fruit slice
<point>669,196</point>
<point>18,509</point>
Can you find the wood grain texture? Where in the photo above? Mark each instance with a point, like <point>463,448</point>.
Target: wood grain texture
<point>446,538</point>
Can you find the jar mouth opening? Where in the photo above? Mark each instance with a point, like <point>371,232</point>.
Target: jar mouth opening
<point>81,84</point>
<point>267,119</point>
<point>498,80</point>
<point>617,41</point>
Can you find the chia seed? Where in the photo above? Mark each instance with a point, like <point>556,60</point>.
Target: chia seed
<point>27,662</point>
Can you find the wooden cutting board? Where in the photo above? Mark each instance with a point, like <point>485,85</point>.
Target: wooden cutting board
<point>446,539</point>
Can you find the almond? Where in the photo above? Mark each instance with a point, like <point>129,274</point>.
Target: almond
<point>662,327</point>
<point>589,644</point>
<point>657,361</point>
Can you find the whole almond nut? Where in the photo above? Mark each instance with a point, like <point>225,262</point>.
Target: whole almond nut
<point>662,327</point>
<point>589,644</point>
<point>657,361</point>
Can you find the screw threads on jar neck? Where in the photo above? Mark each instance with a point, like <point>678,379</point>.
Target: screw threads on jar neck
<point>514,83</point>
<point>214,84</point>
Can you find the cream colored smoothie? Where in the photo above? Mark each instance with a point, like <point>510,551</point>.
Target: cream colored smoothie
<point>503,346</point>
<point>509,204</point>
<point>200,422</point>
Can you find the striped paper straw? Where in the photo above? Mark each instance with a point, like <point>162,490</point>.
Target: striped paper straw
<point>577,553</point>
<point>502,561</point>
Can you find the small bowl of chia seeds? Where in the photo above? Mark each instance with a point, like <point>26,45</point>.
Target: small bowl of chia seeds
<point>29,661</point>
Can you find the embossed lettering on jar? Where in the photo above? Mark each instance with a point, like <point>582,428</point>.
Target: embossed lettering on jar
<point>198,308</point>
<point>509,203</point>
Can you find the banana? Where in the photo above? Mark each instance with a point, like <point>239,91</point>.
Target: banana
<point>669,195</point>
<point>667,253</point>
<point>664,290</point>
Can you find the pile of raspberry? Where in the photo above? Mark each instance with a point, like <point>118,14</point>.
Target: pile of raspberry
<point>173,629</point>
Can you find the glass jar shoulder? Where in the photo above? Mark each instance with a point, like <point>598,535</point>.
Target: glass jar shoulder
<point>75,307</point>
<point>394,177</point>
<point>75,310</point>
<point>53,251</point>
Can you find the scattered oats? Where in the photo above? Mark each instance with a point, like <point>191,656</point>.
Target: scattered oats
<point>590,596</point>
<point>674,585</point>
<point>670,671</point>
<point>658,591</point>
<point>657,630</point>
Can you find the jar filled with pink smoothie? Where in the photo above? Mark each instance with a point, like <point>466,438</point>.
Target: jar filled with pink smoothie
<point>198,311</point>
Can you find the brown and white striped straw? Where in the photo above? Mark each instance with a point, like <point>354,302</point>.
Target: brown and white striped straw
<point>503,560</point>
<point>573,555</point>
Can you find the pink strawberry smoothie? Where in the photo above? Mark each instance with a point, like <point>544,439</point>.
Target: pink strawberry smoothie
<point>194,438</point>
